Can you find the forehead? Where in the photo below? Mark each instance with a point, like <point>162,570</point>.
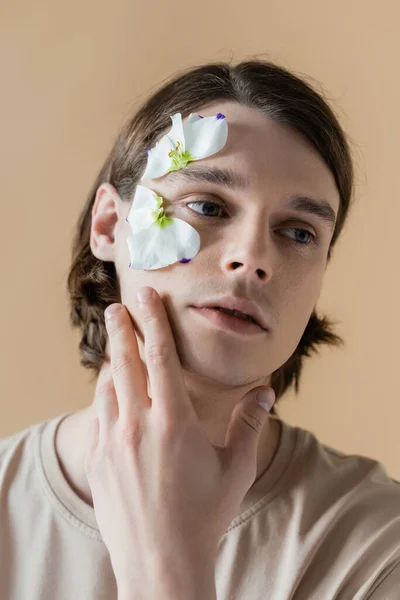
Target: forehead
<point>266,154</point>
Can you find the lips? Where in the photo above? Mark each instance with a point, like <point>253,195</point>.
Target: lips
<point>227,322</point>
<point>240,304</point>
<point>238,314</point>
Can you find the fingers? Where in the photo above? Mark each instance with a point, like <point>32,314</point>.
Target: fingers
<point>105,400</point>
<point>169,394</point>
<point>106,413</point>
<point>125,364</point>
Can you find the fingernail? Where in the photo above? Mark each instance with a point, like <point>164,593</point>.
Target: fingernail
<point>266,398</point>
<point>144,294</point>
<point>111,310</point>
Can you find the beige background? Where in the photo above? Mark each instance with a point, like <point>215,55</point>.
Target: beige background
<point>71,73</point>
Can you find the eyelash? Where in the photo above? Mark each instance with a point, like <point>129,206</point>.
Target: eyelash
<point>313,237</point>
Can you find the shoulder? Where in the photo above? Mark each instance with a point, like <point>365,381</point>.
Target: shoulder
<point>17,447</point>
<point>346,488</point>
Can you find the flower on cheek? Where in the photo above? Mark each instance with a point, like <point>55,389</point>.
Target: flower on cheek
<point>157,240</point>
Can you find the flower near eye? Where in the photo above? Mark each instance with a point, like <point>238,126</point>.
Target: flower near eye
<point>194,139</point>
<point>157,240</point>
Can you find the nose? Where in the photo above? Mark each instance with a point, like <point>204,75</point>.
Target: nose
<point>249,249</point>
<point>249,260</point>
<point>247,269</point>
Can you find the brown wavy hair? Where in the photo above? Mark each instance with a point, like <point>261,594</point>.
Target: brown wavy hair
<point>282,96</point>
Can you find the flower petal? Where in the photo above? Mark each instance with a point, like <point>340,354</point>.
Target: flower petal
<point>144,203</point>
<point>205,136</point>
<point>176,133</point>
<point>139,219</point>
<point>193,117</point>
<point>158,161</point>
<point>144,198</point>
<point>155,247</point>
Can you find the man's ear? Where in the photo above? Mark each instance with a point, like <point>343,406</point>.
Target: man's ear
<point>105,216</point>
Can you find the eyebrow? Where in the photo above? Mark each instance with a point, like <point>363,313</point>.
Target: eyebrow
<point>197,173</point>
<point>235,181</point>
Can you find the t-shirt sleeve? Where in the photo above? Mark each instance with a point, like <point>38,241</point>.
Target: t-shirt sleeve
<point>389,587</point>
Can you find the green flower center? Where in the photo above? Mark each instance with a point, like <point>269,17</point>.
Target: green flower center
<point>179,158</point>
<point>159,216</point>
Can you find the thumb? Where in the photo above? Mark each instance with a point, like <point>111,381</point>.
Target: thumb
<point>246,423</point>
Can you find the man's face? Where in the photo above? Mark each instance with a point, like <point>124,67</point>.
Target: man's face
<point>249,248</point>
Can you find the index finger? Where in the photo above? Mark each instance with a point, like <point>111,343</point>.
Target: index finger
<point>125,363</point>
<point>169,394</point>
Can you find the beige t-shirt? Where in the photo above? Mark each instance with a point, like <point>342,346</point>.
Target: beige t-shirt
<point>318,524</point>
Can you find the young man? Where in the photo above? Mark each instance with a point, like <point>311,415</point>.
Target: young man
<point>314,523</point>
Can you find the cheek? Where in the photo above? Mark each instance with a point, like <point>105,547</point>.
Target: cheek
<point>298,298</point>
<point>303,280</point>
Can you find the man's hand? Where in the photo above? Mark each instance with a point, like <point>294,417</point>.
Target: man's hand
<point>163,495</point>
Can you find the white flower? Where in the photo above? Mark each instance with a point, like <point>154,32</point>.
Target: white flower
<point>196,138</point>
<point>158,240</point>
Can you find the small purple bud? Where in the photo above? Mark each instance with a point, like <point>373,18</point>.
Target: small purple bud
<point>130,265</point>
<point>126,220</point>
<point>147,152</point>
<point>220,116</point>
<point>185,260</point>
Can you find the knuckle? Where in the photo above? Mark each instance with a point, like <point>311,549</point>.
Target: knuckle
<point>149,317</point>
<point>252,422</point>
<point>158,353</point>
<point>115,326</point>
<point>121,362</point>
<point>132,433</point>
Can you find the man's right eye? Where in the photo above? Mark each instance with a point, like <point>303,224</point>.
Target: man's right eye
<point>208,210</point>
